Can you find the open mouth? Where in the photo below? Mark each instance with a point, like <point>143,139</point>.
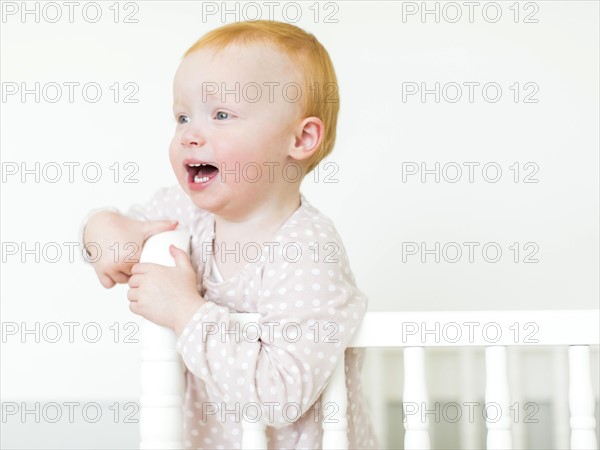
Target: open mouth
<point>199,172</point>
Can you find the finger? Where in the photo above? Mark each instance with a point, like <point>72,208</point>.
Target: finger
<point>126,269</point>
<point>132,295</point>
<point>157,226</point>
<point>134,281</point>
<point>120,277</point>
<point>141,268</point>
<point>106,281</point>
<point>182,259</point>
<point>134,308</point>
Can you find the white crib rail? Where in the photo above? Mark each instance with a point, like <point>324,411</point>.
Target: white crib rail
<point>162,375</point>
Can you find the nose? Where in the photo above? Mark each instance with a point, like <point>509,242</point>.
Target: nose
<point>192,137</point>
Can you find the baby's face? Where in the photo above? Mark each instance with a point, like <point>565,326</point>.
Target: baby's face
<point>232,112</point>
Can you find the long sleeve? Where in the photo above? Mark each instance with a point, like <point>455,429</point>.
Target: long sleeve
<point>83,223</point>
<point>309,309</point>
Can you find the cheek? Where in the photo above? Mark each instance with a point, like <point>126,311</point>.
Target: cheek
<point>174,157</point>
<point>172,153</point>
<point>248,148</point>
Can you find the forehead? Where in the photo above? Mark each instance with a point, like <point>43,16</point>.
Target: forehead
<point>244,64</point>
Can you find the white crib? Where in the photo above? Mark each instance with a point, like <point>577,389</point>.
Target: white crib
<point>162,380</point>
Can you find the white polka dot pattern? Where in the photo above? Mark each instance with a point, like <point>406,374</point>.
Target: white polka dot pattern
<point>309,308</point>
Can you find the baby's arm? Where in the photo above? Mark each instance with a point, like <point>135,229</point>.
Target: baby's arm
<point>118,241</point>
<point>114,241</point>
<point>309,311</point>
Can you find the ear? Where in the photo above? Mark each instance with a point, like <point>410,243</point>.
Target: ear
<point>307,138</point>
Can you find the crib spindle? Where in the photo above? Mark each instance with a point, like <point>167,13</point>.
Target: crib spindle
<point>414,398</point>
<point>497,399</point>
<point>254,435</point>
<point>560,400</point>
<point>162,380</point>
<point>581,399</point>
<point>334,408</point>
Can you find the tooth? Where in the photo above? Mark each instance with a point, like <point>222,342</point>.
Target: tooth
<point>199,179</point>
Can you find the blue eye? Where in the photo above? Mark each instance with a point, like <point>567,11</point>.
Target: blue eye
<point>182,116</point>
<point>222,115</point>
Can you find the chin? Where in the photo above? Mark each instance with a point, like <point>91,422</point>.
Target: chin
<point>202,201</point>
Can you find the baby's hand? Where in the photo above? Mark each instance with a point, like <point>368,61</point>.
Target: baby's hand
<point>115,243</point>
<point>167,296</point>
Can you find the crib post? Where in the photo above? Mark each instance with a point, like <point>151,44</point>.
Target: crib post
<point>162,379</point>
<point>497,399</point>
<point>254,435</point>
<point>581,399</point>
<point>414,400</point>
<point>335,406</point>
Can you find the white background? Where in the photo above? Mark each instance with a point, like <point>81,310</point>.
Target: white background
<point>374,52</point>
